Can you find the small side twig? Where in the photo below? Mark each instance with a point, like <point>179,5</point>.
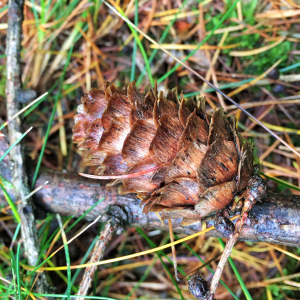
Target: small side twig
<point>19,177</point>
<point>110,227</point>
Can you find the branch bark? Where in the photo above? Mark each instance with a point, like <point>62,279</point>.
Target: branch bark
<point>19,177</point>
<point>275,220</point>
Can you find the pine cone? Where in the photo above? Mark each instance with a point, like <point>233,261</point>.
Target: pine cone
<point>191,164</point>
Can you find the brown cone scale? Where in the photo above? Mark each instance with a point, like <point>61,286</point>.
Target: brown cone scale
<point>200,161</point>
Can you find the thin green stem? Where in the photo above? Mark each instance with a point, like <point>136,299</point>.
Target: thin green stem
<point>10,203</point>
<point>66,247</point>
<point>84,259</point>
<point>290,67</point>
<point>282,182</point>
<point>136,19</point>
<point>15,235</point>
<point>14,144</point>
<point>20,297</point>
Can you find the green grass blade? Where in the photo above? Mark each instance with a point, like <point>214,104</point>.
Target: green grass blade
<point>54,9</point>
<point>67,255</point>
<point>164,35</point>
<point>38,22</point>
<point>282,182</point>
<point>43,11</point>
<point>66,11</point>
<point>83,215</point>
<point>3,8</point>
<point>200,44</point>
<point>208,267</point>
<point>15,235</point>
<point>2,271</point>
<point>43,230</point>
<point>8,291</point>
<point>14,144</point>
<point>20,297</point>
<point>97,7</point>
<point>136,17</point>
<point>51,120</point>
<point>237,274</point>
<point>64,278</point>
<point>11,203</point>
<point>84,259</point>
<point>290,67</point>
<point>171,276</point>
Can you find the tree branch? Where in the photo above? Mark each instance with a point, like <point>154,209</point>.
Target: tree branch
<point>275,220</point>
<point>19,177</point>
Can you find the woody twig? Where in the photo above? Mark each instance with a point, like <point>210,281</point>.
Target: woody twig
<point>110,227</point>
<point>19,178</point>
<point>275,220</point>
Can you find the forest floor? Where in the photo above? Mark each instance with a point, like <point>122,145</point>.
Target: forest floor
<point>248,49</point>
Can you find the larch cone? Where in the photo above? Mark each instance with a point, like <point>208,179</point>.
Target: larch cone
<point>192,163</point>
